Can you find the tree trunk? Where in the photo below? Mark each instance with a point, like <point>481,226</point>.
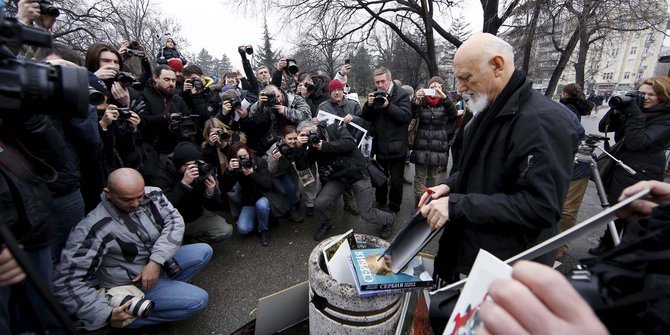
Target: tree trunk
<point>427,17</point>
<point>562,62</point>
<point>529,36</point>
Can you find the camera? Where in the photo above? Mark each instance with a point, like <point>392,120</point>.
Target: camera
<point>139,307</point>
<point>284,149</point>
<point>136,53</point>
<point>347,61</point>
<point>379,98</point>
<point>272,99</point>
<point>626,99</point>
<point>36,88</point>
<point>311,88</point>
<point>197,83</point>
<point>48,8</point>
<point>183,125</point>
<point>292,66</point>
<point>249,49</point>
<point>124,113</point>
<point>95,97</point>
<point>223,135</point>
<point>314,137</point>
<point>171,266</point>
<point>429,92</point>
<point>124,79</point>
<point>204,170</point>
<point>235,103</point>
<point>246,162</point>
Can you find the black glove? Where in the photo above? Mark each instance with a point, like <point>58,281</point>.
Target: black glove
<point>137,106</point>
<point>632,109</point>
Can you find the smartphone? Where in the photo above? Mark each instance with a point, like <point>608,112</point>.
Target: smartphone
<point>429,92</point>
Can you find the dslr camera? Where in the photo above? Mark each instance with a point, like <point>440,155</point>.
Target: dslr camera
<point>197,84</point>
<point>379,98</point>
<point>204,170</point>
<point>235,103</point>
<point>619,101</point>
<point>183,125</point>
<point>249,49</point>
<point>272,99</point>
<point>246,162</point>
<point>48,8</point>
<point>292,67</point>
<point>171,266</point>
<point>124,79</point>
<point>284,149</point>
<point>134,50</point>
<point>138,307</point>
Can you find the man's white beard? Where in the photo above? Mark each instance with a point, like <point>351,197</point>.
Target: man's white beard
<point>478,102</point>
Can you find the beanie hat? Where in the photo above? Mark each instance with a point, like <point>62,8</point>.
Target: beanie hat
<point>97,83</point>
<point>436,79</point>
<point>185,152</point>
<point>176,64</point>
<point>335,85</point>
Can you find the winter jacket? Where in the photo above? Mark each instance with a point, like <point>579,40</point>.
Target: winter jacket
<point>281,166</point>
<point>190,201</point>
<point>577,106</point>
<point>110,247</point>
<point>436,124</point>
<point>343,108</point>
<point>271,122</point>
<point>25,202</point>
<point>513,178</point>
<point>155,119</point>
<point>252,186</point>
<point>646,136</point>
<point>166,53</point>
<point>389,125</point>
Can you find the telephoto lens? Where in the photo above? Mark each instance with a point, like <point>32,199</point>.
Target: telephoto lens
<point>138,307</point>
<point>171,267</point>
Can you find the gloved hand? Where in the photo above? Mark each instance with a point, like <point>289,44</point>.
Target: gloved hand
<point>633,109</point>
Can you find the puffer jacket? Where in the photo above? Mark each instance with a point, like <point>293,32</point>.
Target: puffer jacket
<point>433,134</point>
<point>166,53</point>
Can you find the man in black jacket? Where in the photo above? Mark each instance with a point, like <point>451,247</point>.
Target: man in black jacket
<point>516,164</point>
<point>194,194</point>
<point>389,109</point>
<point>341,167</point>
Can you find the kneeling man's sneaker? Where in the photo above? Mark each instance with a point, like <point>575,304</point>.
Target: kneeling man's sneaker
<point>387,229</point>
<point>321,233</point>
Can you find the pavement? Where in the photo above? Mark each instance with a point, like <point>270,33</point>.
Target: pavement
<point>241,271</point>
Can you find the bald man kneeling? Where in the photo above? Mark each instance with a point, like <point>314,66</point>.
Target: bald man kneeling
<point>133,237</point>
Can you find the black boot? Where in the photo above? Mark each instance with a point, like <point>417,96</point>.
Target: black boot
<point>604,245</point>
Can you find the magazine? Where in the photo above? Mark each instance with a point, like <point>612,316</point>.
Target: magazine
<point>374,274</point>
<point>336,255</point>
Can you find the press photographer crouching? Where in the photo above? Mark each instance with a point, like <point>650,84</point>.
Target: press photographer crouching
<point>341,166</point>
<point>640,121</point>
<point>132,240</point>
<point>190,184</point>
<point>280,159</point>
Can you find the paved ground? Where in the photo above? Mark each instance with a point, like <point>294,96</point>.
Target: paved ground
<point>242,271</point>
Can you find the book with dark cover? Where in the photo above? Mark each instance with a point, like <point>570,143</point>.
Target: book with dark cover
<point>374,274</point>
<point>411,238</point>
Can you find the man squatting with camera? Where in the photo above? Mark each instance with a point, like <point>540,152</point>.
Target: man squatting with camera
<point>132,238</point>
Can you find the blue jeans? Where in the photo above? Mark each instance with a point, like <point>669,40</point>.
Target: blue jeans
<point>41,260</point>
<point>250,215</point>
<point>174,299</point>
<point>67,210</point>
<point>285,185</point>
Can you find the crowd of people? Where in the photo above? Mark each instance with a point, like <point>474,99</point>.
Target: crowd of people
<point>144,180</point>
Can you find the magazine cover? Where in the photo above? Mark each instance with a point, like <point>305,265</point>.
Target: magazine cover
<point>337,253</point>
<point>375,274</point>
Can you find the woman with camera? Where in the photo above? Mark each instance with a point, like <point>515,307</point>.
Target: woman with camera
<point>280,158</point>
<point>641,125</point>
<point>435,114</point>
<point>251,172</point>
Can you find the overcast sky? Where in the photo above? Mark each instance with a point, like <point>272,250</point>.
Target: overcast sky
<point>211,25</point>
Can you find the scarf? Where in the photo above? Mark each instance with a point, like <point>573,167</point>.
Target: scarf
<point>433,101</point>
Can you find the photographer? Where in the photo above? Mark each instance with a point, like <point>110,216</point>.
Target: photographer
<point>286,75</point>
<point>280,159</point>
<point>196,91</point>
<point>164,113</point>
<point>343,76</point>
<point>389,109</point>
<point>132,237</point>
<point>190,184</point>
<point>251,172</point>
<point>131,53</point>
<point>641,122</point>
<point>105,62</point>
<point>122,142</point>
<point>275,109</point>
<point>313,89</point>
<point>436,115</point>
<point>255,82</point>
<point>341,167</point>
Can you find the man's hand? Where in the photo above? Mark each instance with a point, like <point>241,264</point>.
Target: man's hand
<point>149,275</point>
<point>659,193</point>
<point>276,155</point>
<point>281,109</point>
<point>247,171</point>
<point>210,184</point>
<point>190,174</point>
<point>134,120</point>
<point>282,64</point>
<point>111,115</point>
<point>120,93</point>
<point>188,86</point>
<point>344,71</point>
<point>318,146</point>
<point>386,102</point>
<point>10,271</point>
<point>262,99</point>
<point>303,138</point>
<point>436,212</point>
<point>348,118</point>
<point>242,113</point>
<point>28,11</point>
<point>371,99</point>
<point>105,72</point>
<point>537,300</point>
<point>119,313</point>
<point>437,192</point>
<point>124,48</point>
<point>226,107</point>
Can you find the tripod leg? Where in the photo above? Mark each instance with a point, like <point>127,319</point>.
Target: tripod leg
<point>604,203</point>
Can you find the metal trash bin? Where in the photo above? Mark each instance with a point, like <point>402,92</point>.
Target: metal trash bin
<point>336,308</point>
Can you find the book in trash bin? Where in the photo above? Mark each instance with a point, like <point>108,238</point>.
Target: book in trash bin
<point>374,274</point>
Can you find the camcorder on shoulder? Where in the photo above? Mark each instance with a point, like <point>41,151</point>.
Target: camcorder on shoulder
<point>619,101</point>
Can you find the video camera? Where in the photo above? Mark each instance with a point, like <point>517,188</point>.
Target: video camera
<point>618,101</point>
<point>183,125</point>
<point>37,88</point>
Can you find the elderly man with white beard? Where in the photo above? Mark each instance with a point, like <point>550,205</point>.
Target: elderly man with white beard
<point>516,164</point>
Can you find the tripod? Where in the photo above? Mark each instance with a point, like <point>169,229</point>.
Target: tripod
<point>586,154</point>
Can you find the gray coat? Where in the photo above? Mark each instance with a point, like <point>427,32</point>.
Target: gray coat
<point>102,245</point>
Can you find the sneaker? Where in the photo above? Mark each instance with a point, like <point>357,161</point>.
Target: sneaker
<point>321,233</point>
<point>296,216</point>
<point>265,238</point>
<point>309,211</point>
<point>387,229</point>
<point>351,209</point>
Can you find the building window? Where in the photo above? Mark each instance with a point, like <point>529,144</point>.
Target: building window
<point>633,50</point>
<point>629,62</point>
<point>626,75</point>
<point>608,75</point>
